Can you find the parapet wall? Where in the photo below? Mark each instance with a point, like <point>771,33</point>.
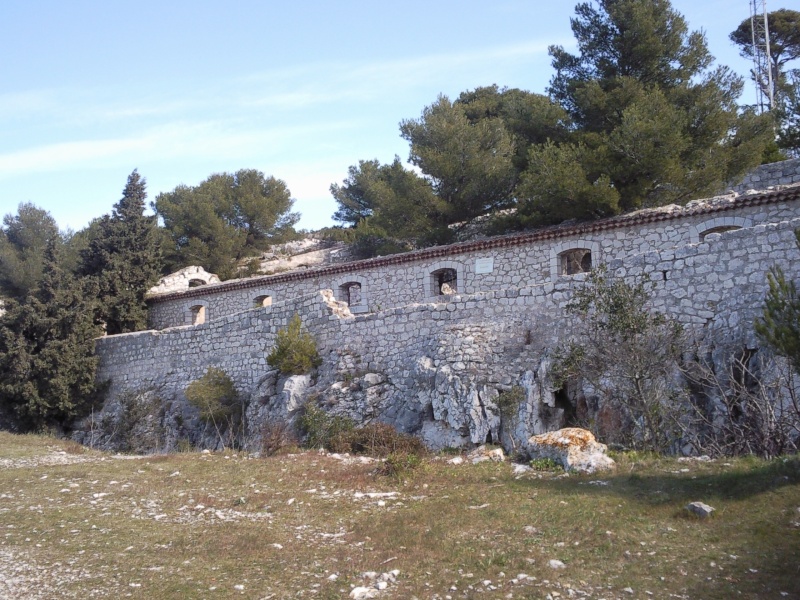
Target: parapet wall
<point>502,263</point>
<point>767,176</point>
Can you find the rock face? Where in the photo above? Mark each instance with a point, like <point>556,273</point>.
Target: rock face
<point>574,448</point>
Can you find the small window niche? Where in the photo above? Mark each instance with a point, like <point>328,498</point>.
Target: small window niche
<point>262,301</point>
<point>354,295</point>
<point>575,261</point>
<point>721,229</point>
<point>193,283</point>
<point>444,282</point>
<point>198,314</point>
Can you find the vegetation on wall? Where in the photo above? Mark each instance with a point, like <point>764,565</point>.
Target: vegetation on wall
<point>779,325</point>
<point>295,351</point>
<point>629,356</point>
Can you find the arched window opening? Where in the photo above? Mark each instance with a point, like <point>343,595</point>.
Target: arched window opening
<point>577,260</point>
<point>721,229</point>
<point>350,293</point>
<point>444,282</point>
<point>198,314</point>
<point>193,283</point>
<point>265,300</point>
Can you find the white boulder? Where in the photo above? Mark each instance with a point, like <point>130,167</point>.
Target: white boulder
<point>574,448</point>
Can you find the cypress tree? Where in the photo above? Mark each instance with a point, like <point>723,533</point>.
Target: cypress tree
<point>47,362</point>
<point>125,259</point>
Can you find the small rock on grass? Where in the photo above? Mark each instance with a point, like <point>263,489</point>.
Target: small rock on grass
<point>701,509</point>
<point>556,564</point>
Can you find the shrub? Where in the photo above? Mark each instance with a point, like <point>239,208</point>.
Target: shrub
<point>215,396</point>
<point>380,440</point>
<point>320,428</point>
<point>545,464</point>
<point>276,437</point>
<point>629,355</point>
<point>295,351</point>
<point>508,401</point>
<point>340,434</point>
<point>399,463</point>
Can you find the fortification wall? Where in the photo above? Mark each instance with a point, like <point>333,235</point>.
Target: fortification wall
<point>763,177</point>
<point>491,337</point>
<point>511,262</point>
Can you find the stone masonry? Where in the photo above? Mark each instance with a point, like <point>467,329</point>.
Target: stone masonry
<point>434,364</point>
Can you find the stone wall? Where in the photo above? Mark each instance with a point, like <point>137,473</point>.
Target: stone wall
<point>508,262</point>
<point>438,366</point>
<point>766,176</point>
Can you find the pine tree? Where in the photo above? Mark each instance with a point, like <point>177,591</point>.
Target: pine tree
<point>47,362</point>
<point>125,259</point>
<point>653,122</point>
<point>779,324</point>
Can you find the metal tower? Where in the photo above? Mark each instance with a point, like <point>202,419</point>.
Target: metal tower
<point>762,62</point>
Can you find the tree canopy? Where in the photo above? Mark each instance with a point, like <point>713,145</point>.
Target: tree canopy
<point>658,123</point>
<point>124,256</point>
<point>639,117</point>
<point>47,361</point>
<point>225,218</point>
<point>784,45</point>
<point>23,240</point>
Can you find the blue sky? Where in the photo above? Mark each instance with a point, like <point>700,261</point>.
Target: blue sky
<point>91,90</point>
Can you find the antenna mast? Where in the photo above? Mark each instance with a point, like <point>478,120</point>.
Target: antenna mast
<point>762,62</point>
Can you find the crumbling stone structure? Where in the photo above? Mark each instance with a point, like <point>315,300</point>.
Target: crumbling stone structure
<point>427,340</point>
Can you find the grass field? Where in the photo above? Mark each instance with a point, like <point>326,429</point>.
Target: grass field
<point>79,524</point>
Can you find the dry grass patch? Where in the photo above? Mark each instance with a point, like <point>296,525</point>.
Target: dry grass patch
<point>308,525</point>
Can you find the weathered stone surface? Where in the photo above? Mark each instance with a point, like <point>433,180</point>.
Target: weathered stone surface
<point>436,368</point>
<point>701,509</point>
<point>182,280</point>
<point>574,448</point>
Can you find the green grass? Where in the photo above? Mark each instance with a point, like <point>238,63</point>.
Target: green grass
<point>109,527</point>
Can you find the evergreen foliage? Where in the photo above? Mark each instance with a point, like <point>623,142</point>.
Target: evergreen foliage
<point>658,123</point>
<point>629,356</point>
<point>47,361</point>
<point>638,118</point>
<point>391,209</point>
<point>123,255</point>
<point>227,217</point>
<point>215,396</point>
<point>779,325</point>
<point>23,240</point>
<point>784,46</point>
<point>295,351</point>
<point>469,164</point>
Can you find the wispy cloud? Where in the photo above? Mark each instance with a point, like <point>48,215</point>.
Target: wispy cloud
<point>183,140</point>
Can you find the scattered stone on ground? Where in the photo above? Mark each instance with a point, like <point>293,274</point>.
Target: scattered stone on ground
<point>701,509</point>
<point>374,584</point>
<point>483,453</point>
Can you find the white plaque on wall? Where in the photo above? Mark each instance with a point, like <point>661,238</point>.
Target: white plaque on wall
<point>484,265</point>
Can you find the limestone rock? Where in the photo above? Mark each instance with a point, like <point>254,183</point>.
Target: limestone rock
<point>574,448</point>
<point>482,453</point>
<point>701,509</point>
<point>371,379</point>
<point>293,392</point>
